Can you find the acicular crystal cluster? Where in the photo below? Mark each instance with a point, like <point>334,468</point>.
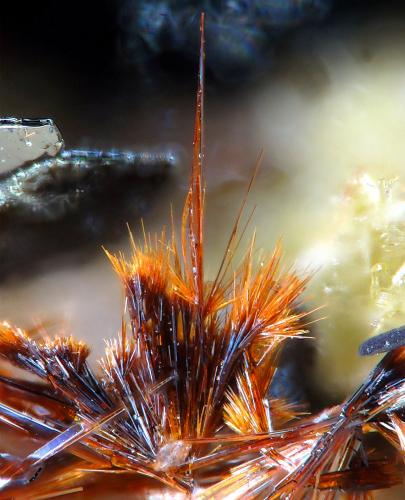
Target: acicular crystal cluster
<point>182,396</point>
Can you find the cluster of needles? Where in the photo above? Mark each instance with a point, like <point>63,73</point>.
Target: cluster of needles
<point>182,395</point>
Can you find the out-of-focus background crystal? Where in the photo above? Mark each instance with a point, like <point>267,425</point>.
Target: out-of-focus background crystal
<point>23,141</point>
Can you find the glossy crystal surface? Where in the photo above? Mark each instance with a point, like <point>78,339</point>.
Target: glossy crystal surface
<point>24,140</point>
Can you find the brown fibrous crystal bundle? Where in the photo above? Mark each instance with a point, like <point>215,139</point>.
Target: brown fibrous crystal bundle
<point>182,394</point>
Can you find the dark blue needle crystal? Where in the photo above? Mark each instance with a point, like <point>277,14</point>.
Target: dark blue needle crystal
<point>383,342</point>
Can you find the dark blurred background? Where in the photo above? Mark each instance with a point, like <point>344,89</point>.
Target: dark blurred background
<point>88,64</point>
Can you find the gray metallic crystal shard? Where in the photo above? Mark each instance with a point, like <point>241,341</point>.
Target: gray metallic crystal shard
<point>24,140</point>
<point>52,188</point>
<point>40,181</point>
<point>55,200</point>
